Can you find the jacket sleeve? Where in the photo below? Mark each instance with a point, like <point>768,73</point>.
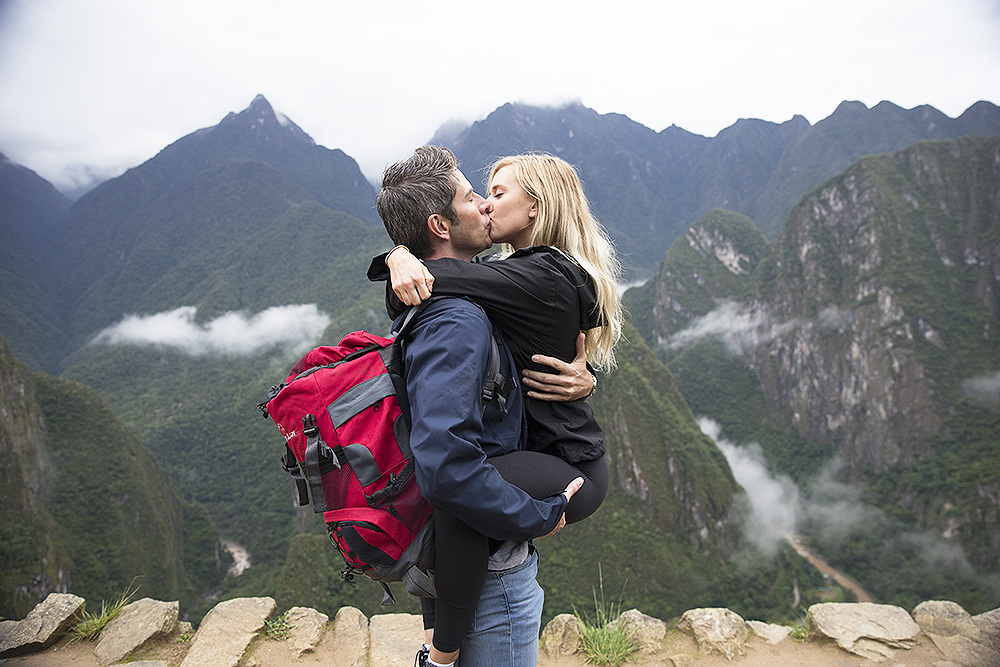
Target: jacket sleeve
<point>377,270</point>
<point>446,358</point>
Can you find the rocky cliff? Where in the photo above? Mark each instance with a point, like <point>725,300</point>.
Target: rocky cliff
<point>33,561</point>
<point>869,332</point>
<point>877,302</point>
<point>885,286</point>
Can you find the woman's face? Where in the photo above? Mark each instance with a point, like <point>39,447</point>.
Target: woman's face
<point>512,211</point>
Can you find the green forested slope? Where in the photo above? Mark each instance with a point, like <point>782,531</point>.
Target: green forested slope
<point>91,508</point>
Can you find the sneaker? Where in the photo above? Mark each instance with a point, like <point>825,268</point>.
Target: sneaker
<point>423,655</point>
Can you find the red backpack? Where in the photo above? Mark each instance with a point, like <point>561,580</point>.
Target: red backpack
<point>345,418</point>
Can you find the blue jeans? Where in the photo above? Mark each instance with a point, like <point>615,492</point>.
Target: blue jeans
<point>508,618</point>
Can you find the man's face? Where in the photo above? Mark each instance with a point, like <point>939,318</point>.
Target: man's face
<point>470,230</point>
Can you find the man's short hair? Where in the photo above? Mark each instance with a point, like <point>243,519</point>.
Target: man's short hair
<point>412,191</point>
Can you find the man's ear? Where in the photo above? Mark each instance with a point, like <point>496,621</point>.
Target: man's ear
<point>439,227</point>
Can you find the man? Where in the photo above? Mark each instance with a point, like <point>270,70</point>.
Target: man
<point>428,205</point>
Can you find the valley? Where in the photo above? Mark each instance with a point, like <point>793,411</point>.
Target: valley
<point>842,579</point>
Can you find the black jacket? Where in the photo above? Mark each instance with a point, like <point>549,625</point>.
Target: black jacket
<point>540,300</point>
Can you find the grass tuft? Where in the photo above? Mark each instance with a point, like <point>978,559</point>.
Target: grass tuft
<point>605,642</point>
<point>800,631</point>
<point>277,628</point>
<point>91,625</point>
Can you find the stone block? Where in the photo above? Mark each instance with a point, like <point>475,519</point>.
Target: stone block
<point>561,636</point>
<point>647,632</point>
<point>47,622</point>
<point>226,631</point>
<point>769,632</point>
<point>395,639</point>
<point>138,623</point>
<point>719,631</point>
<point>307,626</point>
<point>349,637</point>
<point>865,628</point>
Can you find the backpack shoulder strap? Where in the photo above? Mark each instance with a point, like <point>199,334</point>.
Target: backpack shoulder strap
<point>410,319</point>
<point>496,385</point>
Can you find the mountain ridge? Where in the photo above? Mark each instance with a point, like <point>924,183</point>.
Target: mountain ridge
<point>648,187</point>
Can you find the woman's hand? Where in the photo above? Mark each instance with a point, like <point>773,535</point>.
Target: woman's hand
<point>410,279</point>
<point>573,381</point>
<point>570,491</point>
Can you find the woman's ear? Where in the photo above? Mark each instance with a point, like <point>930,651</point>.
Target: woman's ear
<point>533,211</point>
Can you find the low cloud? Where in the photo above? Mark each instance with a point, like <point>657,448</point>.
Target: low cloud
<point>832,510</point>
<point>775,501</point>
<point>292,327</point>
<point>985,389</point>
<point>834,319</point>
<point>741,331</point>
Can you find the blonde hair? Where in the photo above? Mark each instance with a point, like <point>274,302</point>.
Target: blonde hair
<point>564,221</point>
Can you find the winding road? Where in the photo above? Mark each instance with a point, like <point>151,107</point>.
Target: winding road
<point>824,567</point>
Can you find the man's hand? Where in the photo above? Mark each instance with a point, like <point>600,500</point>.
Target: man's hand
<point>573,380</point>
<point>570,491</point>
<point>410,279</point>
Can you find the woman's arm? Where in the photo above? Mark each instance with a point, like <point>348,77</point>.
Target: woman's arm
<point>538,298</point>
<point>410,279</point>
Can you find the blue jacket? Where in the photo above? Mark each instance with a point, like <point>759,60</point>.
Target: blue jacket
<point>447,355</point>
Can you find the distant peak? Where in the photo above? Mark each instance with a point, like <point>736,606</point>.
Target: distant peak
<point>260,107</point>
<point>263,117</point>
<point>851,106</point>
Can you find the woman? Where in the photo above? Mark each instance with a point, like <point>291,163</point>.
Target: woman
<point>561,280</point>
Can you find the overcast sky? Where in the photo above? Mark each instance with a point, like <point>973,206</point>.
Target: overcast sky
<point>97,86</point>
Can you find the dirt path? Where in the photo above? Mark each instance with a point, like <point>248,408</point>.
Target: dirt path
<point>827,569</point>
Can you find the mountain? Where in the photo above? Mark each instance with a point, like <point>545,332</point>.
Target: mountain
<point>85,507</point>
<point>891,268</point>
<point>635,178</point>
<point>709,264</point>
<point>648,187</point>
<point>181,228</point>
<point>31,210</point>
<point>30,207</point>
<point>228,221</point>
<point>849,134</point>
<point>157,234</point>
<point>867,332</point>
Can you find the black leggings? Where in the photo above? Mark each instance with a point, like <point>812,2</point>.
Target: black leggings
<point>461,553</point>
